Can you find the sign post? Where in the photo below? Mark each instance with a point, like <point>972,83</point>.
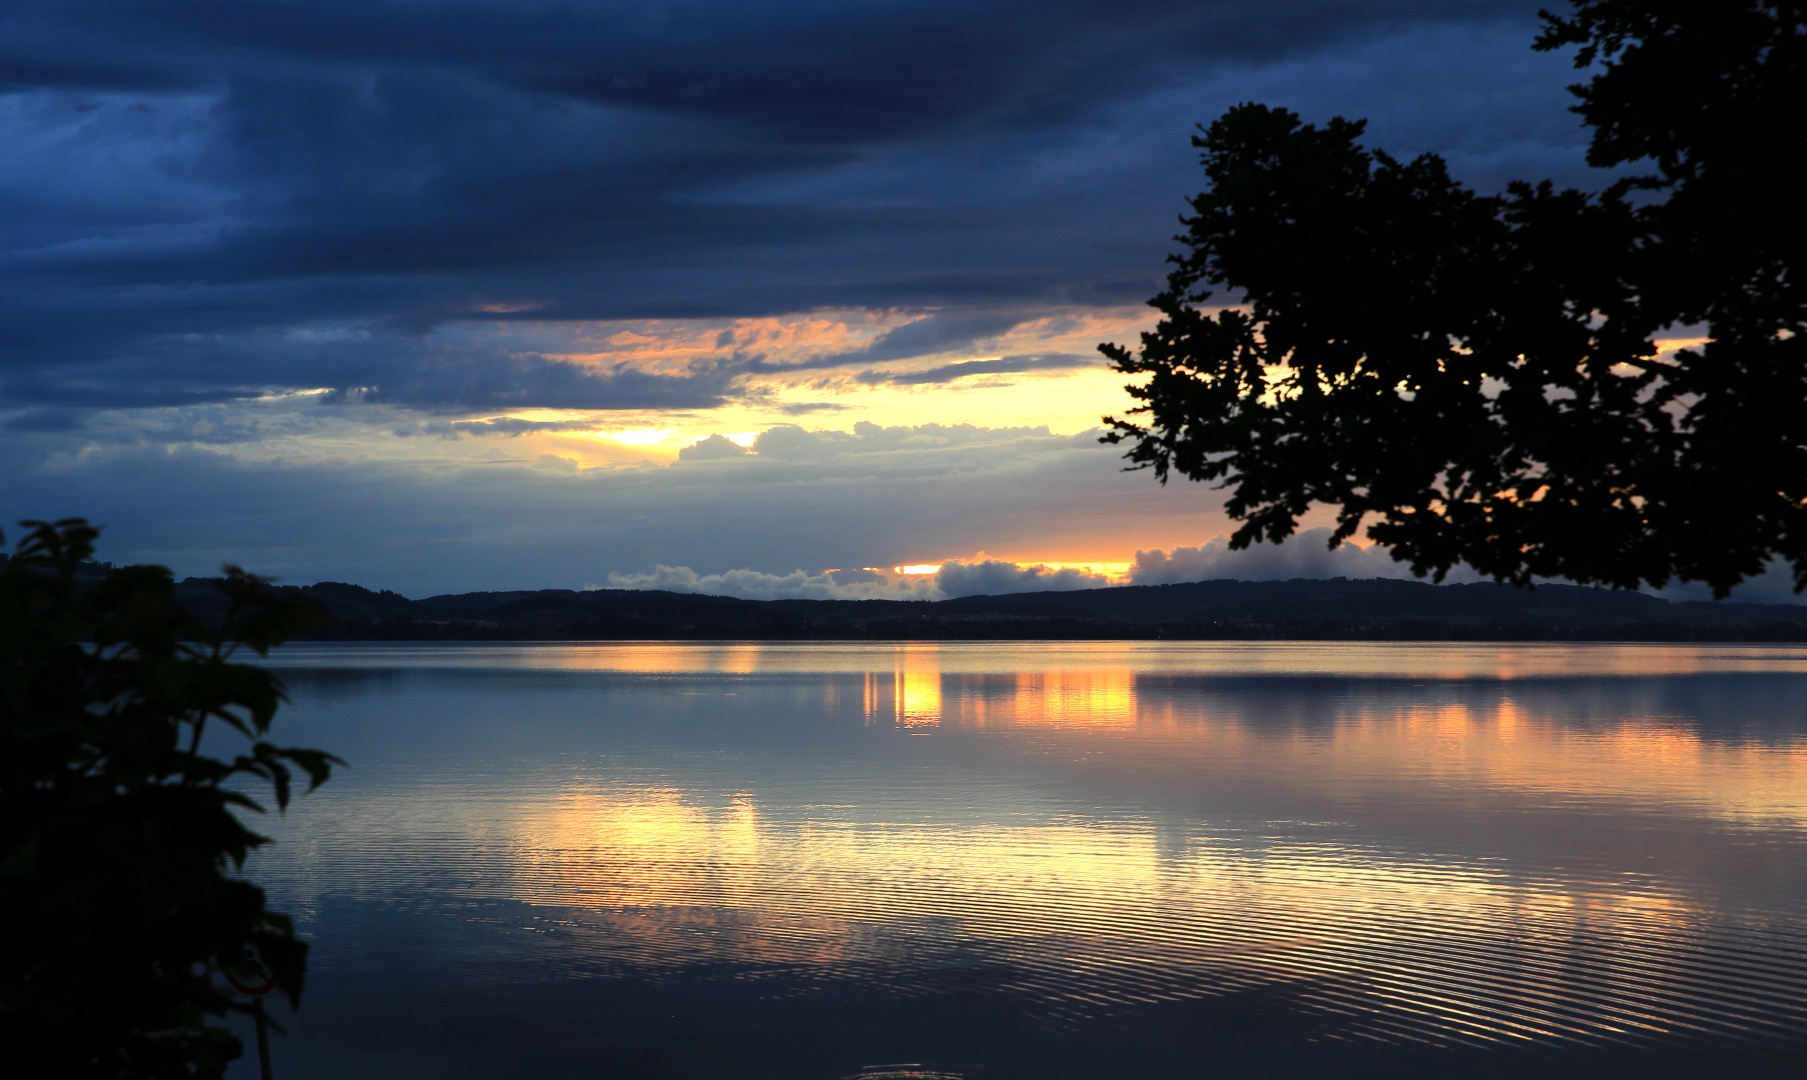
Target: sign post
<point>260,983</point>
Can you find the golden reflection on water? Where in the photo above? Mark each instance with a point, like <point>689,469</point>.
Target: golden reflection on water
<point>1059,698</point>
<point>1461,948</point>
<point>1106,921</point>
<point>1472,860</point>
<point>909,695</point>
<point>1503,744</point>
<point>1509,748</point>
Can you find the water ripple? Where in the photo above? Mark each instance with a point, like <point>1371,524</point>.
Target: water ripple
<point>1436,864</point>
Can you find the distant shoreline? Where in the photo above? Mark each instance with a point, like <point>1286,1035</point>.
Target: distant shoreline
<point>1337,609</point>
<point>1302,609</point>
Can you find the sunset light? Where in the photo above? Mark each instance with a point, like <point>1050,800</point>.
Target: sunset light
<point>1106,540</point>
<point>639,436</point>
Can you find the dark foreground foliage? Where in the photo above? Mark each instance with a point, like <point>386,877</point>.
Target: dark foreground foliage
<point>1475,378</point>
<point>118,835</point>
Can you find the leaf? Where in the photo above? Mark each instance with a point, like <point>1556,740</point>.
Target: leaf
<point>119,835</point>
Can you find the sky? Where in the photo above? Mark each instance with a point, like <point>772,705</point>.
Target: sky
<point>771,299</point>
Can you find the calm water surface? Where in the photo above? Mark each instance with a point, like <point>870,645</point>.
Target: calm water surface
<point>1091,860</point>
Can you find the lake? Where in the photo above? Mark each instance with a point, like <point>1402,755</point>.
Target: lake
<point>812,861</point>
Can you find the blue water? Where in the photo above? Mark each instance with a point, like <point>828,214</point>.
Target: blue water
<point>1047,860</point>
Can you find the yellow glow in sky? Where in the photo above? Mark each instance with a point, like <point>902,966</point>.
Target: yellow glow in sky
<point>786,390</point>
<point>639,436</point>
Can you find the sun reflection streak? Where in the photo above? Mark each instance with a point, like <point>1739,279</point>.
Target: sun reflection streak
<point>1110,908</point>
<point>1300,659</point>
<point>1499,857</point>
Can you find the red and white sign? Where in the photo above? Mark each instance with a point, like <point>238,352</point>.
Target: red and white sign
<point>260,982</point>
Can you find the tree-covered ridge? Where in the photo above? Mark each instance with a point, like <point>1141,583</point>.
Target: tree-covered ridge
<point>1303,608</point>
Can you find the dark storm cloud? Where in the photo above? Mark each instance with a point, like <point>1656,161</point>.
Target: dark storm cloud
<point>188,182</point>
<point>382,366</point>
<point>937,333</point>
<point>45,419</point>
<point>1003,365</point>
<point>526,382</point>
<point>25,72</point>
<point>840,72</point>
<point>509,426</point>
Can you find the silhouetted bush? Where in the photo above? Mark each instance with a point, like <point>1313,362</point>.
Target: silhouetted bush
<point>121,909</point>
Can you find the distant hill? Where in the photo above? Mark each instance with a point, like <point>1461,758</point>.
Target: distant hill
<point>1374,609</point>
<point>1339,608</point>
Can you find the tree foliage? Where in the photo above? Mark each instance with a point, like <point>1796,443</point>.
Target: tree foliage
<point>118,834</point>
<point>1476,378</point>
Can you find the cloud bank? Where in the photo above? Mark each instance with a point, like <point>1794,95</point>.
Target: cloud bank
<point>990,577</point>
<point>863,584</point>
<point>1305,554</point>
<point>994,577</point>
<point>321,498</point>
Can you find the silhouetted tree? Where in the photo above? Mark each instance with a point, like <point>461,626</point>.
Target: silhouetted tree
<point>1475,376</point>
<point>117,833</point>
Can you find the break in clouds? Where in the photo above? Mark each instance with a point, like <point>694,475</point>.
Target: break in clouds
<point>983,577</point>
<point>496,512</point>
<point>1304,555</point>
<point>800,512</point>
